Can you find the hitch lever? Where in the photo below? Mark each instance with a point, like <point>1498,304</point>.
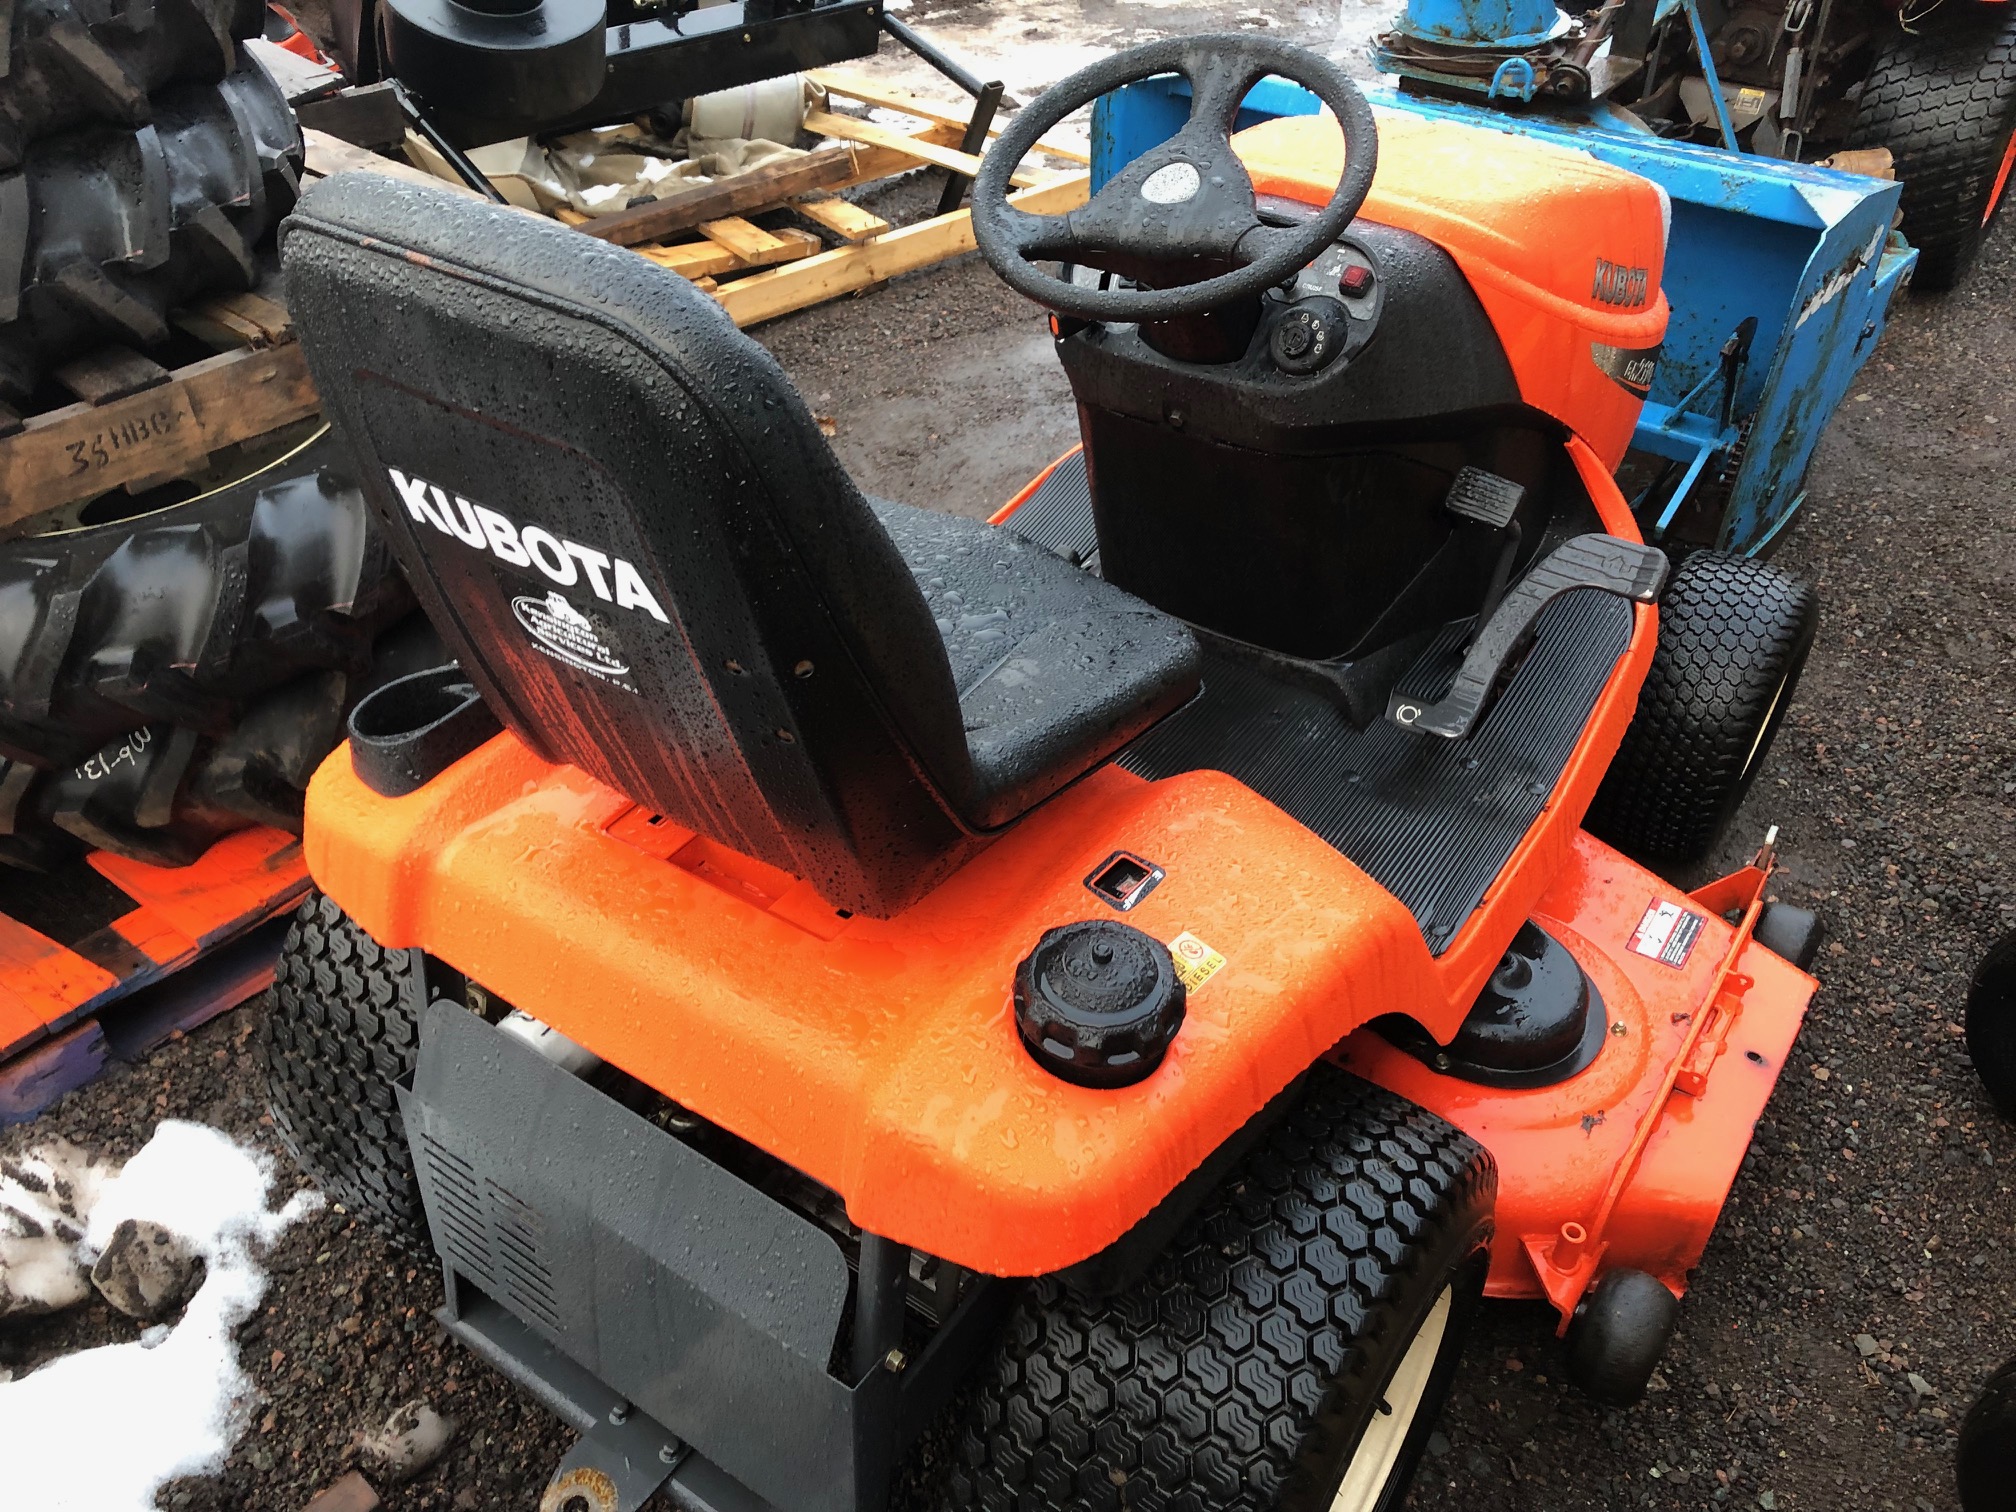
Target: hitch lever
<point>1607,563</point>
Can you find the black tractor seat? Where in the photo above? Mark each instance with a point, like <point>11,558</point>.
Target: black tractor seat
<point>625,523</point>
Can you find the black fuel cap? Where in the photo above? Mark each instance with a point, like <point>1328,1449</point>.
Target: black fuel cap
<point>1098,1003</point>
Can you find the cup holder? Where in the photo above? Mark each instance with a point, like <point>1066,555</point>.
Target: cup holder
<point>405,734</point>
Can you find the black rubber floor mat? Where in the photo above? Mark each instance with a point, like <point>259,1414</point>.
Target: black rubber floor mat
<point>1431,820</point>
<point>1058,516</point>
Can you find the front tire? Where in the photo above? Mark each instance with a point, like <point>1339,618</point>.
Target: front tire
<point>1289,1350</point>
<point>1942,98</point>
<point>1734,635</point>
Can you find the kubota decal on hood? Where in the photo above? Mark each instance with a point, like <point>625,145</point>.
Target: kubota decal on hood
<point>612,579</point>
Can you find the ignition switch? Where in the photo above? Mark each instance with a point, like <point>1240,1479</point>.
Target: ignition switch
<point>1309,336</point>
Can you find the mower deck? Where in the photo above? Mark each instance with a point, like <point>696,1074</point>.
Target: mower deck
<point>1566,1152</point>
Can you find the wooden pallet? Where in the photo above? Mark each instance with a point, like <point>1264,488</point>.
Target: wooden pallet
<point>704,233</point>
<point>136,424</point>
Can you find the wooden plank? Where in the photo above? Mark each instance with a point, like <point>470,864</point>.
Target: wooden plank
<point>694,260</point>
<point>872,163</point>
<point>843,218</point>
<point>328,155</point>
<point>30,1083</point>
<point>848,128</point>
<point>771,184</point>
<point>745,239</point>
<point>853,86</point>
<point>110,373</point>
<point>220,327</point>
<point>704,259</point>
<point>267,318</point>
<point>764,296</point>
<point>81,450</point>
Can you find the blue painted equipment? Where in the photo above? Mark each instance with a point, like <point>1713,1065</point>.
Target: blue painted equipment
<point>1779,274</point>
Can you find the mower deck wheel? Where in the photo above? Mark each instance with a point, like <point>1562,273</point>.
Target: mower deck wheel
<point>1290,1349</point>
<point>1987,1459</point>
<point>342,1030</point>
<point>1991,1024</point>
<point>1794,934</point>
<point>1734,634</point>
<point>1620,1330</point>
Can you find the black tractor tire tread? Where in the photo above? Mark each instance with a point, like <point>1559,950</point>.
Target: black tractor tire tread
<point>342,1030</point>
<point>167,679</point>
<point>1732,631</point>
<point>185,615</point>
<point>1986,1462</point>
<point>71,63</point>
<point>202,189</point>
<point>1221,1380</point>
<point>1942,98</point>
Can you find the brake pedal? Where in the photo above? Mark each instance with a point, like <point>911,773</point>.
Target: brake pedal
<point>1484,498</point>
<point>1603,562</point>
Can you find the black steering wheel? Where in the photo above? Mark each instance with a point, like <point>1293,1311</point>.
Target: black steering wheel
<point>1188,202</point>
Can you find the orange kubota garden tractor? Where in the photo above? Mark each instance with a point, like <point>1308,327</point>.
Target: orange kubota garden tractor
<point>1134,970</point>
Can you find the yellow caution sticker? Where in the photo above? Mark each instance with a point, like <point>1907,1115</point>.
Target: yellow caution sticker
<point>1196,962</point>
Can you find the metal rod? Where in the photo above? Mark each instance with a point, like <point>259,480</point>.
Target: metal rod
<point>417,117</point>
<point>974,142</point>
<point>1707,61</point>
<point>879,1288</point>
<point>933,54</point>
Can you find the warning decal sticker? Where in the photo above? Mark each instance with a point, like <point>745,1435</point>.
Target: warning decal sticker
<point>1196,962</point>
<point>1667,933</point>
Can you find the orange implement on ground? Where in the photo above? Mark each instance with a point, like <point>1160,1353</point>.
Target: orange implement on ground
<point>179,916</point>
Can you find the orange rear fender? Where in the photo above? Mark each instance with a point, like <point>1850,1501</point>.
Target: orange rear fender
<point>880,1056</point>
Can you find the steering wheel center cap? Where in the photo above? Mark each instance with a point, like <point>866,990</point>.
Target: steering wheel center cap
<point>1172,184</point>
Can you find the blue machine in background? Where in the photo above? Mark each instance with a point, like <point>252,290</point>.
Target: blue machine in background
<point>1780,277</point>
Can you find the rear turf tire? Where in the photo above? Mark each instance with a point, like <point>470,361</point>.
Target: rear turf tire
<point>1991,1024</point>
<point>1987,1458</point>
<point>342,1030</point>
<point>1942,98</point>
<point>1335,1272</point>
<point>1734,634</point>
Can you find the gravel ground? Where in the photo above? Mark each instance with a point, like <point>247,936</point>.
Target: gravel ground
<point>1875,1201</point>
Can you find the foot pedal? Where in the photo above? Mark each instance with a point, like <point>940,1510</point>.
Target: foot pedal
<point>1484,498</point>
<point>1603,562</point>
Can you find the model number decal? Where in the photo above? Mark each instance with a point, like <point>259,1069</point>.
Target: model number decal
<point>1629,368</point>
<point>1667,933</point>
<point>1618,285</point>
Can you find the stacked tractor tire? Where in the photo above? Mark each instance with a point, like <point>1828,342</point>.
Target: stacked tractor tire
<point>169,676</point>
<point>167,680</point>
<point>143,157</point>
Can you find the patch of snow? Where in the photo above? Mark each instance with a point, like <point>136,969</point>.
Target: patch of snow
<point>104,1429</point>
<point>46,1197</point>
